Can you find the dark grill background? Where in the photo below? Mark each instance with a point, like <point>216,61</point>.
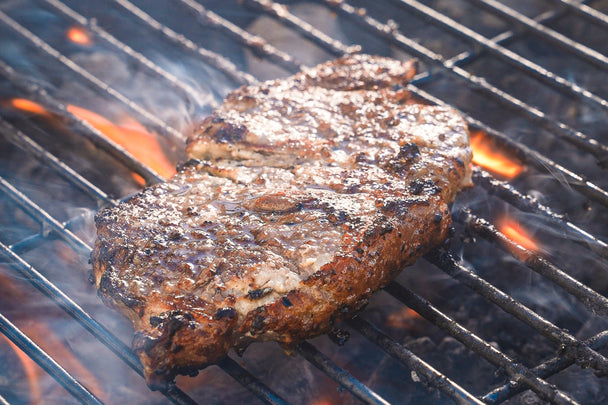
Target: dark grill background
<point>531,74</point>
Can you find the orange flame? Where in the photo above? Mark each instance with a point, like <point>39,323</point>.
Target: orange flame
<point>485,154</point>
<point>516,233</point>
<point>133,137</point>
<point>36,329</point>
<point>29,106</point>
<point>79,35</point>
<point>32,371</point>
<point>130,134</point>
<point>402,319</point>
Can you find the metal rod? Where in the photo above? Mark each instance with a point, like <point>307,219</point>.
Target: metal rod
<point>43,217</point>
<point>250,382</point>
<point>214,59</point>
<point>18,138</point>
<point>543,370</point>
<point>93,80</point>
<point>513,369</point>
<point>528,204</point>
<point>3,401</point>
<point>424,371</point>
<point>517,61</point>
<point>585,11</point>
<point>82,126</point>
<point>590,55</point>
<point>281,13</point>
<point>67,381</point>
<point>257,44</point>
<point>338,374</point>
<point>509,36</point>
<point>571,347</point>
<point>477,83</point>
<point>41,283</point>
<point>91,24</point>
<point>529,155</point>
<point>30,242</point>
<point>595,302</point>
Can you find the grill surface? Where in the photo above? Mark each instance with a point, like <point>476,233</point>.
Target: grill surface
<point>524,73</point>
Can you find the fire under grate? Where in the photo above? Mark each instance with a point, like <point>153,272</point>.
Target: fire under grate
<point>468,62</point>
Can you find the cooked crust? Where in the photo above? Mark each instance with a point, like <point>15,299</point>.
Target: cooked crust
<point>310,194</point>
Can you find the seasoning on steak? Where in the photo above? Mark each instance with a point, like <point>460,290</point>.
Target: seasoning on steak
<point>303,197</point>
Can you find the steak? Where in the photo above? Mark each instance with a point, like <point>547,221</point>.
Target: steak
<point>302,197</point>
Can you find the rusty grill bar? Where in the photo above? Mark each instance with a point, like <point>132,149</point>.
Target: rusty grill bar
<point>572,350</point>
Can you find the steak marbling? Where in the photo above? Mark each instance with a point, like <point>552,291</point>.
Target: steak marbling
<point>302,197</point>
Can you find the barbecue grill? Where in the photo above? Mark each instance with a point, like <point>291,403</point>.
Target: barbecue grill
<point>488,318</point>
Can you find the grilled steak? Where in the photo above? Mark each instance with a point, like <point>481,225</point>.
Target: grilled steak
<point>303,197</point>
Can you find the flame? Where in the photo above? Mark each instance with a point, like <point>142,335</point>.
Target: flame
<point>133,137</point>
<point>29,106</point>
<point>485,154</point>
<point>402,319</point>
<point>32,373</point>
<point>516,233</point>
<point>36,329</point>
<point>79,35</point>
<point>129,134</point>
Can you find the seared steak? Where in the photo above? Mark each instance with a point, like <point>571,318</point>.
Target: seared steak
<point>302,198</point>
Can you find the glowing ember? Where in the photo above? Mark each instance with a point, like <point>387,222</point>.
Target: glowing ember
<point>485,154</point>
<point>79,36</point>
<point>29,106</point>
<point>517,234</point>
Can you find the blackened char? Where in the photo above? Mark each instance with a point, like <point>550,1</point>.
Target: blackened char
<point>302,198</point>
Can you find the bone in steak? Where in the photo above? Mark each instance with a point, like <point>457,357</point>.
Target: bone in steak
<point>302,197</point>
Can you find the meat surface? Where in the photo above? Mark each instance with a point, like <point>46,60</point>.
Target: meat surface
<point>302,197</point>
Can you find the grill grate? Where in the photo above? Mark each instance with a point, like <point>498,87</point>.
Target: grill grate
<point>572,350</point>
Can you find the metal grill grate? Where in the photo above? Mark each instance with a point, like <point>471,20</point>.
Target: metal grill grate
<point>572,350</point>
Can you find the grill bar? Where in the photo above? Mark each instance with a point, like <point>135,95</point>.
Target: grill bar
<point>593,57</point>
<point>23,141</point>
<point>282,14</point>
<point>105,88</point>
<point>43,217</point>
<point>83,127</point>
<point>585,357</point>
<point>257,44</point>
<point>250,382</point>
<point>237,372</point>
<point>3,401</point>
<point>543,370</point>
<point>530,156</point>
<point>585,11</point>
<point>177,84</point>
<point>40,282</point>
<point>72,385</point>
<point>509,36</point>
<point>275,62</point>
<point>532,114</point>
<point>526,154</point>
<point>525,203</point>
<point>595,302</point>
<point>508,56</point>
<point>422,370</point>
<point>515,370</point>
<point>341,376</point>
<point>214,59</point>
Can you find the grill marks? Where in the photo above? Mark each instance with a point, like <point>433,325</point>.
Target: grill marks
<point>310,196</point>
